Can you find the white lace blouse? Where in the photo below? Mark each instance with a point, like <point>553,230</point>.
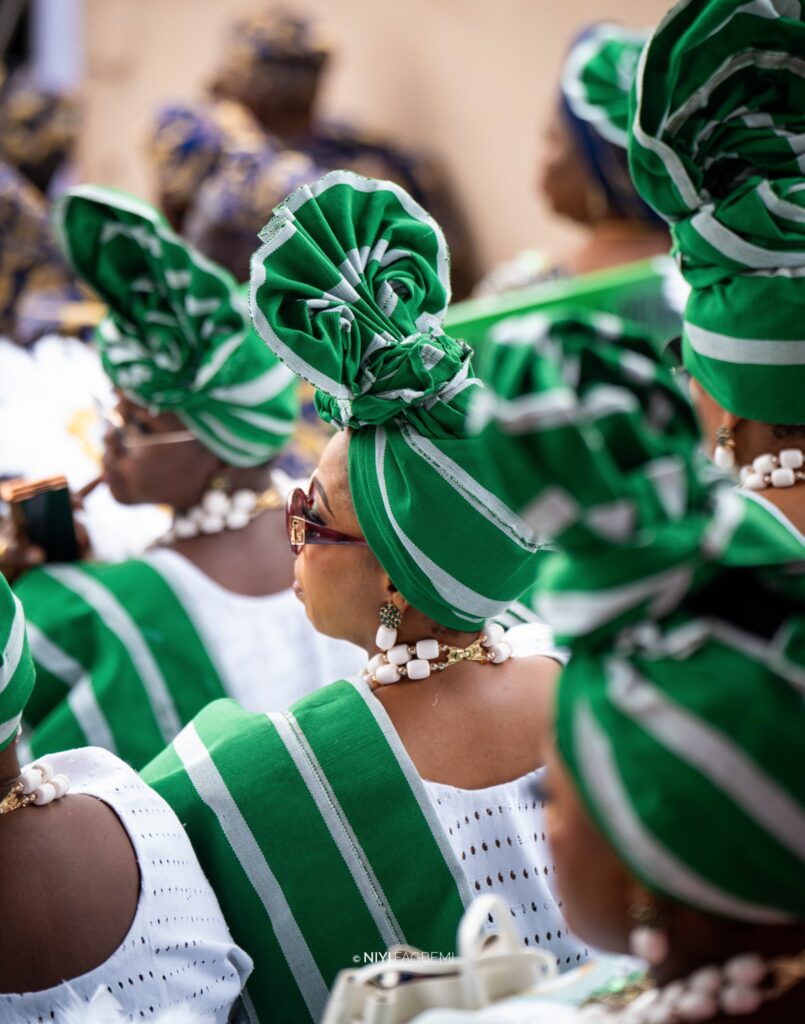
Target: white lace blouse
<point>178,951</point>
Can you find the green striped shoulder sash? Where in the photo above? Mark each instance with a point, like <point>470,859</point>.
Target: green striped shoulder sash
<point>314,829</point>
<point>119,662</point>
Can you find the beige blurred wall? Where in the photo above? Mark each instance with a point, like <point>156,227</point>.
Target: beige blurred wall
<point>472,80</point>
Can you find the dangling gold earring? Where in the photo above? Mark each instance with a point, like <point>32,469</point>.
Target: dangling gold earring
<point>648,939</point>
<point>390,619</point>
<point>724,452</point>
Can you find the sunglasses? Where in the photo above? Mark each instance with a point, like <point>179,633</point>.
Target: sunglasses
<point>303,528</point>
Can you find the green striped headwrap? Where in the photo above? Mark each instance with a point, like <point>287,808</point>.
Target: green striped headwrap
<point>597,78</point>
<point>177,337</point>
<point>716,149</point>
<point>350,290</point>
<point>16,665</point>
<point>682,711</point>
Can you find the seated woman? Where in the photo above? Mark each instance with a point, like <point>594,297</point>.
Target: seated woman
<point>127,653</point>
<point>401,795</point>
<point>719,160</point>
<point>96,877</point>
<point>675,805</point>
<point>273,63</point>
<point>584,174</point>
<point>187,142</point>
<point>35,283</point>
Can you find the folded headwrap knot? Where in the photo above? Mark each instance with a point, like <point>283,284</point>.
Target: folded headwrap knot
<point>350,289</point>
<point>717,150</point>
<point>177,336</point>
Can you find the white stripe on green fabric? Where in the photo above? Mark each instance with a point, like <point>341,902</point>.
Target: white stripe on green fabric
<point>219,356</point>
<point>710,752</point>
<point>87,712</point>
<point>673,164</point>
<point>776,513</point>
<point>338,825</point>
<point>52,658</point>
<point>243,455</point>
<point>728,514</point>
<point>573,88</point>
<point>574,612</point>
<point>738,249</point>
<point>414,780</point>
<point>262,421</point>
<point>781,207</point>
<point>81,697</point>
<point>359,184</point>
<point>474,493</point>
<point>253,392</point>
<point>298,365</point>
<point>15,644</point>
<point>213,791</point>
<point>446,586</point>
<point>750,351</point>
<point>655,861</point>
<point>117,619</point>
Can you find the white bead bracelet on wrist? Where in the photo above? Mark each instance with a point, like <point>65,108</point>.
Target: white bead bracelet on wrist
<point>782,470</point>
<point>37,785</point>
<point>420,660</point>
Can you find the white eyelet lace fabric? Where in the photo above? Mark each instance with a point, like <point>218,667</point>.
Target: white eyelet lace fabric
<point>178,951</point>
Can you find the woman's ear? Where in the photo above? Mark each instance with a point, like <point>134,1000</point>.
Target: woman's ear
<point>396,597</point>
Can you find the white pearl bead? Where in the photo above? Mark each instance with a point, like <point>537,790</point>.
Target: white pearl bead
<point>215,503</point>
<point>671,992</point>
<point>494,633</point>
<point>45,769</point>
<point>418,669</point>
<point>744,473</point>
<point>196,515</point>
<point>184,528</point>
<point>500,652</point>
<point>737,1000</point>
<point>657,1015</point>
<point>399,655</point>
<point>763,464</point>
<point>723,457</point>
<point>696,1006</point>
<point>375,663</point>
<point>211,524</point>
<point>237,519</point>
<point>386,638</point>
<point>386,674</point>
<point>755,482</point>
<point>31,779</point>
<point>706,979</point>
<point>745,970</point>
<point>791,458</point>
<point>783,478</point>
<point>244,501</point>
<point>427,649</point>
<point>61,784</point>
<point>45,794</point>
<point>650,944</point>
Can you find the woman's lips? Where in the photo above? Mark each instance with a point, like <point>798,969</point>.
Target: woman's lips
<point>297,589</point>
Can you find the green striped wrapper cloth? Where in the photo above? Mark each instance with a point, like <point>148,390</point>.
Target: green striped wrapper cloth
<point>716,149</point>
<point>16,666</point>
<point>177,337</point>
<point>119,662</point>
<point>350,289</point>
<point>680,714</point>
<point>301,821</point>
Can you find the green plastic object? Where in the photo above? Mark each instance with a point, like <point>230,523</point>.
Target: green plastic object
<point>634,291</point>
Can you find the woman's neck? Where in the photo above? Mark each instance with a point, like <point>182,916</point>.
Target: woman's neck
<point>9,768</point>
<point>614,241</point>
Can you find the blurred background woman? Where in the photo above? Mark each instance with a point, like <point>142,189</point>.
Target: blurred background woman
<point>127,653</point>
